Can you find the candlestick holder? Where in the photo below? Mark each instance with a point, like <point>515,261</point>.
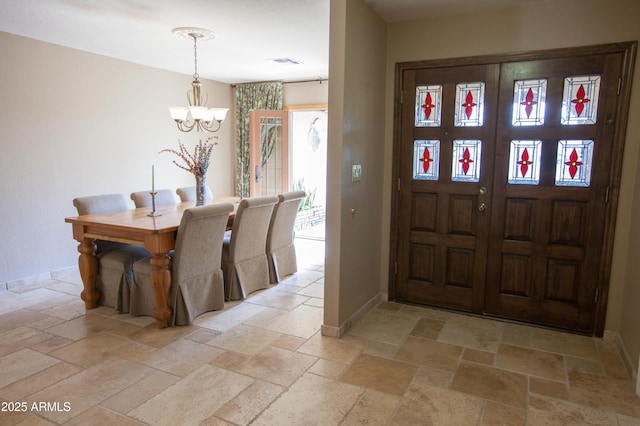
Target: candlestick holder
<point>153,213</point>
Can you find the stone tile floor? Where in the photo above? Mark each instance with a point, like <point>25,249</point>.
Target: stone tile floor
<point>263,362</point>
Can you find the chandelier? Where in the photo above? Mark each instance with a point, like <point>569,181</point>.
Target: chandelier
<point>197,115</point>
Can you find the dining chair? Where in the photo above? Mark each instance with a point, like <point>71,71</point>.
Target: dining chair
<point>281,252</point>
<point>197,283</point>
<point>244,258</point>
<point>163,197</point>
<point>115,260</point>
<point>188,193</point>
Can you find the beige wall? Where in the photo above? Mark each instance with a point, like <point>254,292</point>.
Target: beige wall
<point>75,124</point>
<point>356,136</point>
<point>544,25</point>
<point>311,93</point>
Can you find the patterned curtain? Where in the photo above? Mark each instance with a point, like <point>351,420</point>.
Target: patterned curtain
<point>251,96</point>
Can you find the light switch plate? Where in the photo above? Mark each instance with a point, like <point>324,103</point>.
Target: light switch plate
<point>356,172</point>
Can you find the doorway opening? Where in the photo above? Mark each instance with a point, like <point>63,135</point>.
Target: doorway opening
<point>308,166</point>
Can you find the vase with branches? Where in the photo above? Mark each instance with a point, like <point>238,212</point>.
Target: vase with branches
<point>196,163</point>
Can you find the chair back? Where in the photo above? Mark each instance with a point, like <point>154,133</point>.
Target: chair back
<point>250,227</point>
<point>283,220</point>
<point>163,197</point>
<point>188,193</point>
<point>106,203</point>
<point>199,241</point>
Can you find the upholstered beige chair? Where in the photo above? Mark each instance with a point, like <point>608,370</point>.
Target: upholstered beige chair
<point>163,197</point>
<point>189,193</point>
<point>281,252</point>
<point>244,258</point>
<point>197,283</point>
<point>115,260</point>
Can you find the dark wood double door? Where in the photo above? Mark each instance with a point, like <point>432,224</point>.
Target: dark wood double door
<point>507,172</point>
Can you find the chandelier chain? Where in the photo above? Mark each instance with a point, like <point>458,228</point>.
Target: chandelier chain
<point>195,58</point>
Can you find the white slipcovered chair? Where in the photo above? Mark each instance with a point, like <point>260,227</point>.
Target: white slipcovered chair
<point>244,258</point>
<point>163,197</point>
<point>281,252</point>
<point>197,283</point>
<point>188,193</point>
<point>115,260</point>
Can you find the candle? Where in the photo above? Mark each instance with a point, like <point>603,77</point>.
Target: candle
<point>153,178</point>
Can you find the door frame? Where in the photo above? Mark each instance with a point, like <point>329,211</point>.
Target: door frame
<point>628,51</point>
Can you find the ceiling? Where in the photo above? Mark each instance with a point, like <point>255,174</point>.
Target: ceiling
<point>249,33</point>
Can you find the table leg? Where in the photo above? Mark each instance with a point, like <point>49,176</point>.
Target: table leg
<point>88,265</point>
<point>161,283</point>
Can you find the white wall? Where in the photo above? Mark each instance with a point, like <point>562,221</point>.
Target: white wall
<point>75,124</point>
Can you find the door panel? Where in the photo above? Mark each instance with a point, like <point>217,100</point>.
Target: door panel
<point>269,152</point>
<point>501,212</point>
<point>444,253</point>
<point>551,229</point>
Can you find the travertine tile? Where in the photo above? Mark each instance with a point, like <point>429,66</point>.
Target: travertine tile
<point>303,321</point>
<point>545,411</point>
<point>20,338</point>
<point>491,383</point>
<point>564,343</point>
<point>244,339</point>
<point>372,409</point>
<point>249,403</point>
<point>23,363</point>
<point>430,353</point>
<point>380,374</point>
<point>464,330</point>
<point>193,399</point>
<point>479,357</point>
<point>95,349</point>
<point>384,326</point>
<point>312,400</point>
<point>427,328</point>
<point>430,405</point>
<point>228,318</point>
<point>33,383</point>
<point>140,392</point>
<point>98,416</point>
<point>496,414</point>
<point>549,388</point>
<point>603,393</point>
<point>327,368</point>
<point>531,362</point>
<point>277,366</point>
<point>181,357</point>
<point>338,350</point>
<point>89,387</point>
<point>264,361</point>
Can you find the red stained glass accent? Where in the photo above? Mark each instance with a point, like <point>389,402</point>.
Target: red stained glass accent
<point>524,162</point>
<point>580,101</point>
<point>468,104</point>
<point>428,106</point>
<point>466,160</point>
<point>528,103</point>
<point>426,160</point>
<point>573,163</point>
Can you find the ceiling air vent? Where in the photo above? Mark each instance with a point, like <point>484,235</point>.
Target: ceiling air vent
<point>286,61</point>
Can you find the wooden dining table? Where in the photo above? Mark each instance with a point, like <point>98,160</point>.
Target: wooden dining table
<point>156,233</point>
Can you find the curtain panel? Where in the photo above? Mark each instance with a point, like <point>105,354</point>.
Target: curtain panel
<point>250,96</point>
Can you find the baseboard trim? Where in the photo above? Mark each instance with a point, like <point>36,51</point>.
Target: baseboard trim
<point>338,332</point>
<point>37,279</point>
